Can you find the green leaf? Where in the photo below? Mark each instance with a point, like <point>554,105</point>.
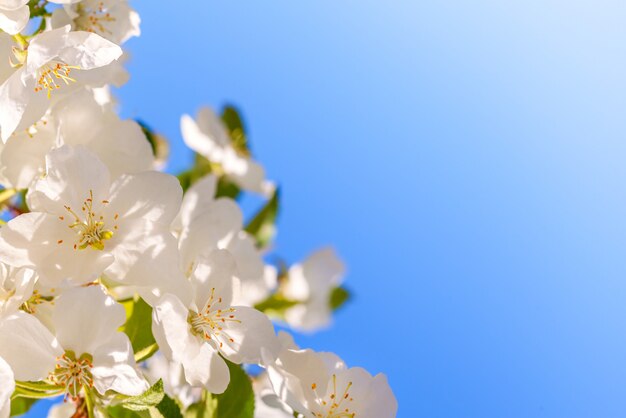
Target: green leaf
<point>138,327</point>
<point>206,408</point>
<point>20,406</point>
<point>275,305</point>
<point>201,168</point>
<point>151,397</point>
<point>338,297</point>
<point>236,130</point>
<point>167,408</point>
<point>238,399</point>
<point>263,226</point>
<point>118,411</point>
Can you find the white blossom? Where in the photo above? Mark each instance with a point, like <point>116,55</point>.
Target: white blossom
<point>320,385</point>
<point>195,334</point>
<point>57,63</point>
<point>91,226</point>
<point>311,283</point>
<point>119,144</point>
<point>86,350</point>
<point>205,224</point>
<point>114,20</point>
<point>208,136</point>
<point>16,288</point>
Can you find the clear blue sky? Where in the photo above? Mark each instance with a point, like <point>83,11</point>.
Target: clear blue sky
<point>468,160</point>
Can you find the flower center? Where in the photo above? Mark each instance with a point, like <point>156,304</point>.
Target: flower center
<point>51,74</point>
<point>209,322</point>
<point>336,404</point>
<point>35,300</point>
<point>93,18</point>
<point>73,373</point>
<point>90,227</point>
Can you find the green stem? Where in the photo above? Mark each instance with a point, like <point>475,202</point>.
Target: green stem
<point>37,386</point>
<point>90,403</point>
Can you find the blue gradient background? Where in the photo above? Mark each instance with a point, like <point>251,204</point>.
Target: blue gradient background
<point>467,159</point>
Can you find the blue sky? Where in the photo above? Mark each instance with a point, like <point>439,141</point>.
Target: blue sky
<point>467,159</point>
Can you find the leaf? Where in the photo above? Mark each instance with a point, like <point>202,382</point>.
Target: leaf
<point>20,406</point>
<point>275,304</point>
<point>238,399</point>
<point>236,130</point>
<point>151,397</point>
<point>263,226</point>
<point>138,327</point>
<point>167,408</point>
<point>206,408</point>
<point>338,297</point>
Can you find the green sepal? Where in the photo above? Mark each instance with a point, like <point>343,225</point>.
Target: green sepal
<point>338,297</point>
<point>262,227</point>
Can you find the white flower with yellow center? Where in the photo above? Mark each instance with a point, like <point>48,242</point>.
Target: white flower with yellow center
<point>56,64</point>
<point>320,385</point>
<point>83,226</point>
<point>86,351</point>
<point>205,224</point>
<point>195,334</point>
<point>114,20</point>
<point>208,136</point>
<point>7,385</point>
<point>120,144</point>
<point>311,283</point>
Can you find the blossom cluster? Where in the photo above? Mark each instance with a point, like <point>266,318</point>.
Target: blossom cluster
<point>126,291</point>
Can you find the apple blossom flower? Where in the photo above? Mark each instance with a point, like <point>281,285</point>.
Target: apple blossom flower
<point>311,283</point>
<point>195,335</point>
<point>320,385</point>
<point>205,224</point>
<point>208,136</point>
<point>56,63</point>
<point>7,386</point>
<point>114,20</point>
<point>83,226</point>
<point>120,144</point>
<point>14,15</point>
<point>86,350</point>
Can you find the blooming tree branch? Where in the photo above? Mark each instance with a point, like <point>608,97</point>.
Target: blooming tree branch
<point>128,292</point>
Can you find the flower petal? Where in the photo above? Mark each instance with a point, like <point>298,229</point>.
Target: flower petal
<point>114,368</point>
<point>85,318</point>
<point>28,347</point>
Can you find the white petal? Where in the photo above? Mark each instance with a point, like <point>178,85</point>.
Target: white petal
<point>13,21</point>
<point>150,195</point>
<point>115,369</point>
<point>170,328</point>
<point>254,333</point>
<point>220,220</point>
<point>27,346</point>
<point>207,369</point>
<point>72,173</point>
<point>7,385</point>
<point>197,198</point>
<point>250,269</point>
<point>85,318</point>
<point>214,274</point>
